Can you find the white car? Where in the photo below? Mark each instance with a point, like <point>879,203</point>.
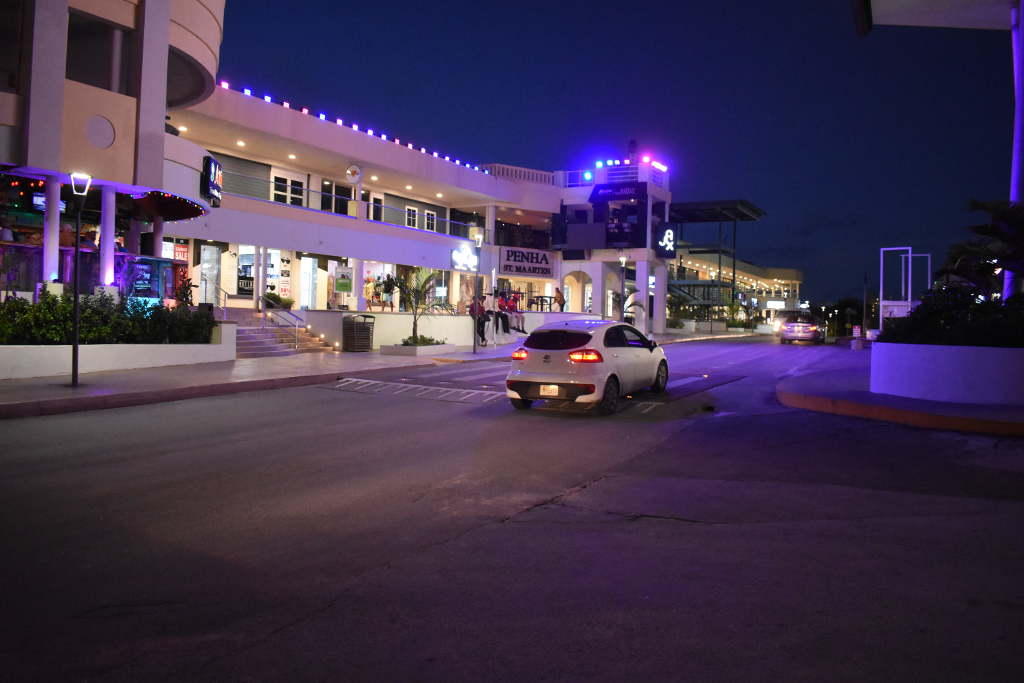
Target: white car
<point>585,361</point>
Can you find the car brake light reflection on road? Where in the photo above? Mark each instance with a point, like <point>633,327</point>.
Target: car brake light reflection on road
<point>586,356</point>
<point>519,354</point>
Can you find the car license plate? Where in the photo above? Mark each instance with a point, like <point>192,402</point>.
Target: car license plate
<point>549,390</point>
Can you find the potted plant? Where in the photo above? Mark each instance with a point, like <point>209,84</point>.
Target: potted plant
<point>415,292</point>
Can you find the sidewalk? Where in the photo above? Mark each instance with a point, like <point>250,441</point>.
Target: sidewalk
<point>846,393</point>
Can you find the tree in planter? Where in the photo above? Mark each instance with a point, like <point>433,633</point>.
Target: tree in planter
<point>415,292</point>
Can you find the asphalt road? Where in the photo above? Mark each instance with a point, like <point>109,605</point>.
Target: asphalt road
<point>408,525</point>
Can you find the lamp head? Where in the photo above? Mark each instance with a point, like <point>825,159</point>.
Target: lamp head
<point>622,261</point>
<point>80,183</point>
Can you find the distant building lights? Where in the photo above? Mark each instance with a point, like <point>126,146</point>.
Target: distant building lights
<point>323,117</point>
<point>339,122</point>
<point>383,136</point>
<point>458,163</point>
<point>587,175</point>
<point>266,98</point>
<point>608,162</point>
<point>447,158</point>
<point>355,126</point>
<point>423,150</point>
<point>397,141</point>
<point>599,164</point>
<point>646,159</point>
<point>247,92</point>
<point>225,85</point>
<point>286,105</point>
<point>435,155</point>
<point>660,166</point>
<point>626,162</point>
<point>410,145</point>
<point>476,168</point>
<point>305,110</point>
<point>369,131</point>
<point>616,162</point>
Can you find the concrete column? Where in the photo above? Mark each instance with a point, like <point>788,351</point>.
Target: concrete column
<point>44,102</point>
<point>357,195</point>
<point>641,315</point>
<point>595,269</point>
<point>154,21</point>
<point>158,236</point>
<point>257,278</point>
<point>490,217</point>
<point>108,233</point>
<point>51,230</point>
<point>134,237</point>
<point>658,315</point>
<point>358,275</point>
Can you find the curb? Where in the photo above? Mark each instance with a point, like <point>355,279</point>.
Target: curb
<point>57,406</point>
<point>904,416</point>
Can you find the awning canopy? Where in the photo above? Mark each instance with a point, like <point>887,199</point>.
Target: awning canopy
<point>722,211</point>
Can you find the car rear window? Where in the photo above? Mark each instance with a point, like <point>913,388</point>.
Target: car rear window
<point>801,319</point>
<point>556,340</point>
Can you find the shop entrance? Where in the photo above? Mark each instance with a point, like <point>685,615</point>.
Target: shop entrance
<point>307,282</point>
<point>209,273</point>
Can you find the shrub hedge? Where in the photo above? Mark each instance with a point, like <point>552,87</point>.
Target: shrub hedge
<point>102,321</point>
<point>955,317</point>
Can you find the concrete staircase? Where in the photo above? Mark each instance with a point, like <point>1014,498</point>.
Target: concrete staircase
<point>257,340</point>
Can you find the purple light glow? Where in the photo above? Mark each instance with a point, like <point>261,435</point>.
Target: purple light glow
<point>305,110</point>
<point>266,98</point>
<point>225,85</point>
<point>369,131</point>
<point>599,164</point>
<point>323,117</point>
<point>339,122</point>
<point>384,136</point>
<point>247,92</point>
<point>286,105</point>
<point>660,166</point>
<point>355,126</point>
<point>646,159</point>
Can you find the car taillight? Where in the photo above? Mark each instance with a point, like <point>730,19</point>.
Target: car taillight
<point>813,328</point>
<point>586,356</point>
<point>519,354</point>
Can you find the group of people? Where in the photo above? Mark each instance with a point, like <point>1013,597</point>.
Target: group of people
<point>507,315</point>
<point>380,292</point>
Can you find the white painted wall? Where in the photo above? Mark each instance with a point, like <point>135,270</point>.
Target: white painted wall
<point>19,362</point>
<point>392,328</point>
<point>956,374</point>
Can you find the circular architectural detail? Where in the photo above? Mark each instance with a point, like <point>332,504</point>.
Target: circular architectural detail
<point>99,131</point>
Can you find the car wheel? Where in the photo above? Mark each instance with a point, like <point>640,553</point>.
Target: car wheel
<point>521,403</point>
<point>660,378</point>
<point>610,399</point>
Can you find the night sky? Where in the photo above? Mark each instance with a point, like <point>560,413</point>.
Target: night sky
<point>848,143</point>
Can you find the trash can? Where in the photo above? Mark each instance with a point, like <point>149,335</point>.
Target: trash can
<point>357,332</point>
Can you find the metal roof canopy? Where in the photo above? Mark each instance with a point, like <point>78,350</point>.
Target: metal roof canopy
<point>721,211</point>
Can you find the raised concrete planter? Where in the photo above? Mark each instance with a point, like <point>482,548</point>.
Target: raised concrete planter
<point>955,374</point>
<point>430,350</point>
<point>19,362</point>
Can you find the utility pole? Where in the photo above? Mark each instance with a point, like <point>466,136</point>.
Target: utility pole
<point>864,308</point>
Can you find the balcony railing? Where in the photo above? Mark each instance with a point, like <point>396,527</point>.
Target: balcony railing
<point>293,193</point>
<point>529,175</point>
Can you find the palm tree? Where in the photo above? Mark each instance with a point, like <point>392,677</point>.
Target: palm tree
<point>973,263</point>
<point>1006,229</point>
<point>415,294</point>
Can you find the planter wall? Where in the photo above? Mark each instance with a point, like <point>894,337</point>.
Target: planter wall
<point>19,362</point>
<point>431,350</point>
<point>956,374</point>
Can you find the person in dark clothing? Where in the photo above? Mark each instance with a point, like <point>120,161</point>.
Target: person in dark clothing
<point>479,314</point>
<point>388,292</point>
<point>502,313</point>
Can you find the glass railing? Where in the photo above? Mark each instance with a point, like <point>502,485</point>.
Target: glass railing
<point>293,192</point>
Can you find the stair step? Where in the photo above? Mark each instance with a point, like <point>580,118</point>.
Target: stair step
<point>264,354</point>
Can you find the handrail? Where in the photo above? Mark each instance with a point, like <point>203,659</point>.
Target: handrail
<point>276,312</point>
<point>217,292</point>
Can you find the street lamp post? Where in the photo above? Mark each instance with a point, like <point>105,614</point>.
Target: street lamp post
<point>80,183</point>
<point>622,288</point>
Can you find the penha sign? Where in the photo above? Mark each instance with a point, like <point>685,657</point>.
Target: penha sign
<point>516,261</point>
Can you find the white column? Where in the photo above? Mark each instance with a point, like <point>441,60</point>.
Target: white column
<point>1017,157</point>
<point>154,20</point>
<point>358,275</point>
<point>595,269</point>
<point>257,268</point>
<point>51,230</point>
<point>660,297</point>
<point>158,236</point>
<point>108,233</point>
<point>44,99</point>
<point>490,217</point>
<point>640,315</point>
